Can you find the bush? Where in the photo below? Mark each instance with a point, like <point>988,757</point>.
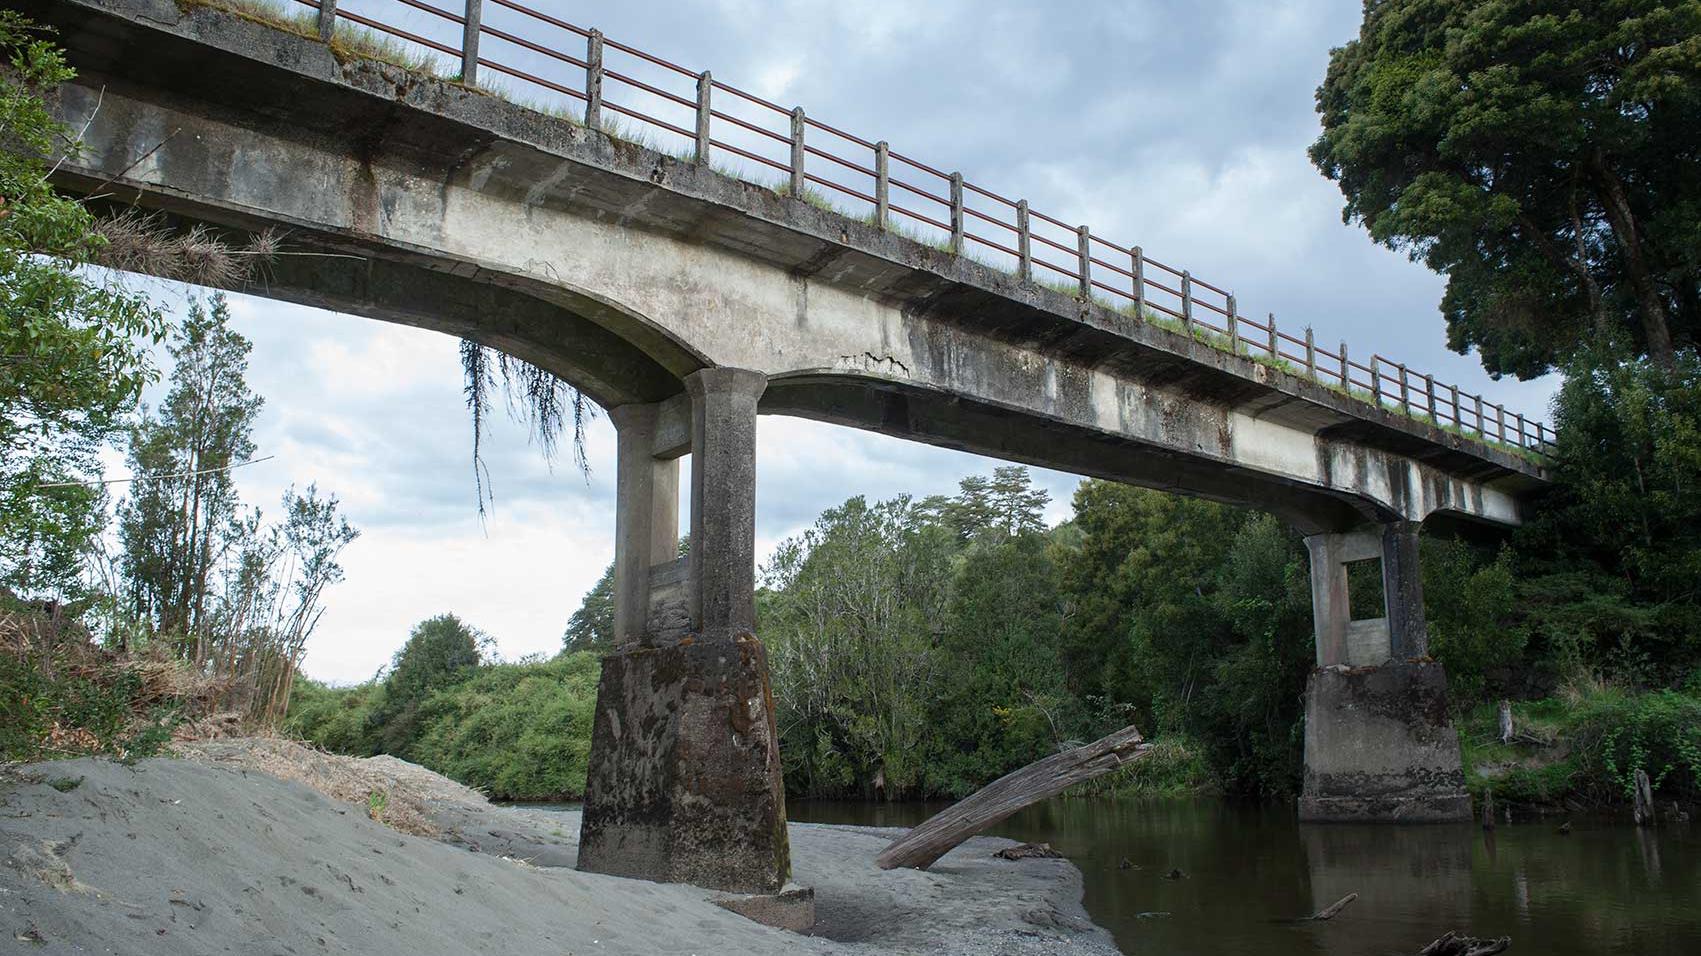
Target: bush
<point>516,731</point>
<point>63,696</point>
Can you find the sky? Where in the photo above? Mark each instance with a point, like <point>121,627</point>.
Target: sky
<point>1181,126</point>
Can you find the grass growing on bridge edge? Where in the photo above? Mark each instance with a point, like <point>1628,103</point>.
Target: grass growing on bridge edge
<point>354,42</point>
<point>348,42</point>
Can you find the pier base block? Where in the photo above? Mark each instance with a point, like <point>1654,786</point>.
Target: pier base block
<point>1380,746</point>
<point>684,781</point>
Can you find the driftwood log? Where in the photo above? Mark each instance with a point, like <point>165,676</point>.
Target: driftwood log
<point>925,844</point>
<point>1333,909</point>
<point>1455,945</point>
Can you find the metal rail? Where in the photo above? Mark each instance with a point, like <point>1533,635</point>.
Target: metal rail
<point>935,204</point>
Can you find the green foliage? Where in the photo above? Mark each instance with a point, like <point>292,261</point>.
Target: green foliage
<point>516,731</point>
<point>1608,569</point>
<point>176,531</point>
<point>851,612</point>
<point>73,350</point>
<point>591,628</point>
<point>1658,733</point>
<point>439,653</point>
<point>66,699</point>
<point>1470,604</point>
<point>1542,155</point>
<point>1591,739</point>
<point>1001,702</point>
<point>339,719</point>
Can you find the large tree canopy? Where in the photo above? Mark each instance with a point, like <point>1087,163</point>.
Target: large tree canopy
<point>1544,155</point>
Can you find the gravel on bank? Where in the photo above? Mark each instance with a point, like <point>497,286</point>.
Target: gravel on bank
<point>213,855</point>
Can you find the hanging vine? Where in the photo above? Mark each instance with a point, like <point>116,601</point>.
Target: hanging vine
<point>532,395</point>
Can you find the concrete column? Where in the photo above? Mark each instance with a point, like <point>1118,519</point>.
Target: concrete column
<point>1379,743</point>
<point>722,576</point>
<point>684,783</point>
<point>1339,638</point>
<point>1402,591</point>
<point>646,517</point>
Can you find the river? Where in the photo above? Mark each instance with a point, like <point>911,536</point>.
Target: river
<point>1604,888</point>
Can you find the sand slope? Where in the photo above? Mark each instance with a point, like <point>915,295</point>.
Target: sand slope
<point>178,857</point>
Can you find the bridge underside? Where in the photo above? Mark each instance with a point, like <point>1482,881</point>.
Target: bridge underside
<point>687,304</point>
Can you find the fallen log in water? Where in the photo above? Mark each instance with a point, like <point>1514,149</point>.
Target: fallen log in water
<point>1455,945</point>
<point>925,844</point>
<point>1333,909</point>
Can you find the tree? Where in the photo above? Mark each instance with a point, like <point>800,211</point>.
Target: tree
<point>850,613</point>
<point>591,628</point>
<point>1543,155</point>
<point>1609,567</point>
<point>1001,702</point>
<point>440,652</point>
<point>73,347</point>
<point>1139,549</point>
<point>176,530</point>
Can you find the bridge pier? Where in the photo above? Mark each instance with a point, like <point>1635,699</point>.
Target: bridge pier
<point>1379,742</point>
<point>684,781</point>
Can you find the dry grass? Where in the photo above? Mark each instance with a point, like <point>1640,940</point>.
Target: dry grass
<point>394,792</point>
<point>144,244</point>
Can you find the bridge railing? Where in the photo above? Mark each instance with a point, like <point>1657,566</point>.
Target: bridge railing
<point>539,59</point>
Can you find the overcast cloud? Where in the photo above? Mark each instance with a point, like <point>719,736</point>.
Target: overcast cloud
<point>1180,126</point>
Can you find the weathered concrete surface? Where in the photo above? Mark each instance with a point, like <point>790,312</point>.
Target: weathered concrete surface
<point>1380,746</point>
<point>792,908</point>
<point>624,271</point>
<point>684,783</point>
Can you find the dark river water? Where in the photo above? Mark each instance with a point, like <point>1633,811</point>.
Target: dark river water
<point>1606,888</point>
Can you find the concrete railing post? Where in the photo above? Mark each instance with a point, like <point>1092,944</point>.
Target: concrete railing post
<point>882,185</point>
<point>593,80</point>
<point>1139,284</point>
<point>957,214</point>
<point>1024,243</point>
<point>1458,420</point>
<point>1187,301</point>
<point>1346,370</point>
<point>722,591</point>
<point>1405,390</point>
<point>1500,422</point>
<point>1376,380</point>
<point>705,112</point>
<point>1275,343</point>
<point>1233,326</point>
<point>327,19</point>
<point>1084,243</point>
<point>469,42</point>
<point>1429,396</point>
<point>1311,353</point>
<point>1482,423</point>
<point>798,182</point>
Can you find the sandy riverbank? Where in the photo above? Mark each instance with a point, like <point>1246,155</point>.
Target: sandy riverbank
<point>176,856</point>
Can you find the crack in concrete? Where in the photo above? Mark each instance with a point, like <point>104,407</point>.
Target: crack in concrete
<point>869,360</point>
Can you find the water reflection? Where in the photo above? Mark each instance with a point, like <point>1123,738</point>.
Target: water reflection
<point>1250,871</point>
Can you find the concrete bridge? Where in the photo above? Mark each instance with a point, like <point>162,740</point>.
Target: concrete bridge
<point>687,303</point>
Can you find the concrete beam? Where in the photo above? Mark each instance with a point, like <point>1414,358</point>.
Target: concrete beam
<point>226,120</point>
